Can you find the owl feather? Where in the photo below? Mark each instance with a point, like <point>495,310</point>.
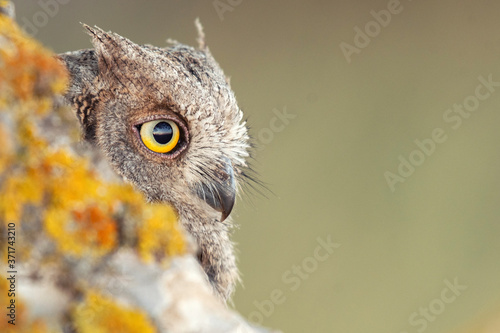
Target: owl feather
<point>119,90</point>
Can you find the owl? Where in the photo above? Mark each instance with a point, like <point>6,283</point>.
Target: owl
<point>168,122</point>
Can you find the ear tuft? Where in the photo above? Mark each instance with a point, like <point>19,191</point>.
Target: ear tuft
<point>117,57</point>
<point>201,34</point>
<point>98,35</point>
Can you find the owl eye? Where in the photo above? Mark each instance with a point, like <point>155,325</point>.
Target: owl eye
<point>160,136</point>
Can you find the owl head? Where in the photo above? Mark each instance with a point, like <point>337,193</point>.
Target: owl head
<point>165,118</point>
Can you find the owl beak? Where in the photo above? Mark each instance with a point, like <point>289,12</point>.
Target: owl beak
<point>221,193</point>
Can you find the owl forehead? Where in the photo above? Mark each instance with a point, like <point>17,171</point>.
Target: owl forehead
<point>181,78</point>
<point>147,80</point>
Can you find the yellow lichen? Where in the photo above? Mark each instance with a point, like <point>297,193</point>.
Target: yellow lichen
<point>28,70</point>
<point>158,239</point>
<point>78,206</point>
<point>6,149</point>
<point>79,211</point>
<point>99,314</point>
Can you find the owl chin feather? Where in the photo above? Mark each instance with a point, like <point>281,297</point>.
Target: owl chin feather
<point>118,86</point>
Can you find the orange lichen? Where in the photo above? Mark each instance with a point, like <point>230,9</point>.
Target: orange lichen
<point>77,205</point>
<point>84,230</point>
<point>6,149</point>
<point>96,226</point>
<point>99,314</point>
<point>79,212</point>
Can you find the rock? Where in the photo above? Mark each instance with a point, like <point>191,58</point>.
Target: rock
<point>87,253</point>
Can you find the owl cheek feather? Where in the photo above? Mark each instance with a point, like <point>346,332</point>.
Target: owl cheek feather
<point>220,193</point>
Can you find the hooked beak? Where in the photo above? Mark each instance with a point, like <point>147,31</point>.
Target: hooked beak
<point>221,193</point>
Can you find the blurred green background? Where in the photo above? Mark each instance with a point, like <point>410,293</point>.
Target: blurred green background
<point>326,167</point>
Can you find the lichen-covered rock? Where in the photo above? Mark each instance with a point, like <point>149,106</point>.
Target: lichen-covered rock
<point>81,250</point>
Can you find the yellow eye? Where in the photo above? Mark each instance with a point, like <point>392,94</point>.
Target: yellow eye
<point>160,136</point>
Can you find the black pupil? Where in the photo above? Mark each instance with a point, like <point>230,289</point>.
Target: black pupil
<point>163,132</point>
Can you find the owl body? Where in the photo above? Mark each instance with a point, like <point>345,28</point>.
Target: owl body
<point>168,122</point>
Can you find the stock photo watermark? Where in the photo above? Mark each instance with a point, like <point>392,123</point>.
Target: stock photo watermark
<point>425,315</point>
<point>363,37</point>
<point>292,278</point>
<point>452,117</point>
<point>11,273</point>
<point>277,124</point>
<point>223,6</point>
<point>48,10</point>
